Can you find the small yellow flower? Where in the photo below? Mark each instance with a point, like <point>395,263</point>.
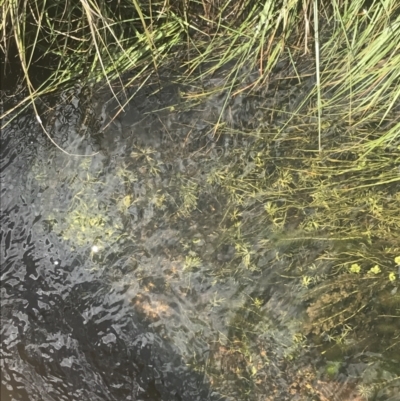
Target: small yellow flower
<point>375,270</point>
<point>397,260</point>
<point>392,276</point>
<point>355,268</point>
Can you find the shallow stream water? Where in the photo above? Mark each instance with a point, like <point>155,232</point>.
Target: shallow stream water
<point>115,285</point>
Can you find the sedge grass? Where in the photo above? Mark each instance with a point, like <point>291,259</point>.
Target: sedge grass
<point>356,55</point>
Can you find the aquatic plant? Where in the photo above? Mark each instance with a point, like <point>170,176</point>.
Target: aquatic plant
<point>299,174</point>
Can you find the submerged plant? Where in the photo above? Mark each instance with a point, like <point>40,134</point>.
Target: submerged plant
<point>301,158</point>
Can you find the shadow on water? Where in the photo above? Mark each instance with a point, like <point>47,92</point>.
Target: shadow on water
<point>117,281</point>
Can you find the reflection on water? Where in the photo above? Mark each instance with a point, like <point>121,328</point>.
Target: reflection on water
<point>116,285</point>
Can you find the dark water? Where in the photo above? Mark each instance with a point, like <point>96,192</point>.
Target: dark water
<point>115,287</point>
<point>70,327</point>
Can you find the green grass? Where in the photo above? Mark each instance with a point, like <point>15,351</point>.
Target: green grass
<point>356,52</point>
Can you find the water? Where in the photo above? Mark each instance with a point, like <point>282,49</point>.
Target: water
<point>70,327</point>
<point>116,282</point>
